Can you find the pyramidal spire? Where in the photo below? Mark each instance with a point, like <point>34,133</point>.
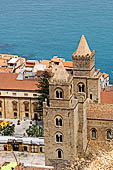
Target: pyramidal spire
<point>83,48</point>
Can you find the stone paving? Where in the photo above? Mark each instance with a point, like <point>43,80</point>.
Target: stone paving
<point>23,157</point>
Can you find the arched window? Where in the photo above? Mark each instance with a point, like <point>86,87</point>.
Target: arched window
<point>81,87</point>
<point>108,134</point>
<point>58,121</point>
<point>59,93</point>
<point>59,137</point>
<point>94,133</point>
<point>59,154</point>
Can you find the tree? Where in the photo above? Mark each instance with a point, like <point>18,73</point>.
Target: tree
<point>43,86</point>
<point>35,131</point>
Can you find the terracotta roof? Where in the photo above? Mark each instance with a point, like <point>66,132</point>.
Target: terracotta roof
<point>68,64</point>
<point>45,62</point>
<point>9,82</point>
<point>6,70</point>
<point>8,56</point>
<point>100,111</point>
<point>107,96</point>
<point>3,63</point>
<point>105,75</point>
<point>56,59</point>
<point>83,48</point>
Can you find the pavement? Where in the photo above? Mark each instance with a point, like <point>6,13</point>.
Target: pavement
<point>23,157</point>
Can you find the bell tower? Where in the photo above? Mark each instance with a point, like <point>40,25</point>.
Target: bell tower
<point>86,79</point>
<point>83,59</point>
<point>61,120</point>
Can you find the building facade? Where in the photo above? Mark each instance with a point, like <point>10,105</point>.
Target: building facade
<point>65,120</point>
<point>18,97</point>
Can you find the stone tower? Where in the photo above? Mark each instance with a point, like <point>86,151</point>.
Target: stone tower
<point>65,120</point>
<point>86,79</point>
<point>61,120</point>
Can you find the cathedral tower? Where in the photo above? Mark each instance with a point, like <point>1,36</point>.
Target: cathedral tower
<point>86,79</point>
<point>61,120</point>
<point>65,120</point>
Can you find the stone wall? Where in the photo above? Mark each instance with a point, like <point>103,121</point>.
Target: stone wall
<point>69,131</point>
<point>100,117</point>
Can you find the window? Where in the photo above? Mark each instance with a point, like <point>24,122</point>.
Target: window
<point>15,115</point>
<point>58,121</point>
<point>14,94</point>
<point>0,114</point>
<point>14,105</point>
<point>59,93</point>
<point>41,150</point>
<point>59,153</point>
<point>91,96</point>
<point>26,105</point>
<point>0,103</point>
<point>93,133</point>
<point>108,134</point>
<point>34,94</point>
<point>25,148</point>
<point>25,94</point>
<point>27,115</point>
<point>59,137</point>
<point>35,104</point>
<point>81,87</point>
<point>71,89</point>
<point>34,148</point>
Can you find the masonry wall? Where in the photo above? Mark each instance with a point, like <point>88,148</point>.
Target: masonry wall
<point>69,131</point>
<point>101,127</point>
<point>92,86</point>
<point>6,107</point>
<point>100,117</point>
<point>82,130</point>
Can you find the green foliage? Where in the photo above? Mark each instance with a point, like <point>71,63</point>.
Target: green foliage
<point>43,90</point>
<point>8,131</point>
<point>35,131</point>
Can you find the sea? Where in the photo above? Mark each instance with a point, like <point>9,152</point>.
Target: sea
<point>41,29</point>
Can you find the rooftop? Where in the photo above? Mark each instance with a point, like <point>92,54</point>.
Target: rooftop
<point>105,75</point>
<point>3,63</point>
<point>68,64</point>
<point>12,60</point>
<point>100,111</point>
<point>107,96</point>
<point>9,82</point>
<point>45,62</point>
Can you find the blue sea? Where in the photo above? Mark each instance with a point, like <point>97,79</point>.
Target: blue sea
<point>40,29</point>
